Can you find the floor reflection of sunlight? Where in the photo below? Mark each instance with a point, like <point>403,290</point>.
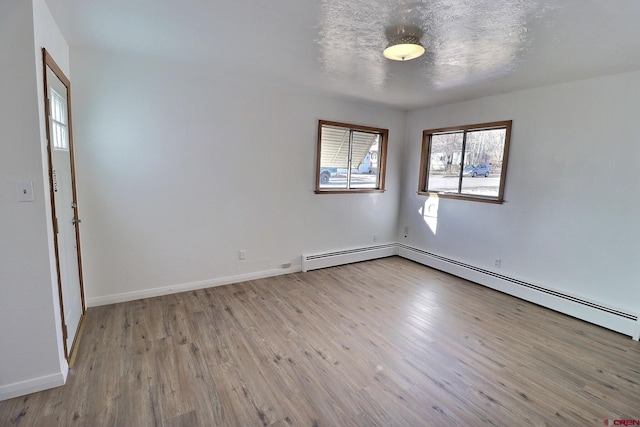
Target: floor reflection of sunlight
<point>429,212</point>
<point>422,312</point>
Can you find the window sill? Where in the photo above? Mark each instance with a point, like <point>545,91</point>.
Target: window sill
<point>373,190</point>
<point>482,199</point>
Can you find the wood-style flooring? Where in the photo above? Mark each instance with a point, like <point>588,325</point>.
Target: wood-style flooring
<point>380,343</point>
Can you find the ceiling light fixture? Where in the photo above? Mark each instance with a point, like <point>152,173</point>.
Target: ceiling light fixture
<point>403,48</point>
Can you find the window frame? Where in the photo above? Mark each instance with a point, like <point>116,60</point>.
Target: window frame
<point>382,156</point>
<point>425,161</point>
<point>59,126</point>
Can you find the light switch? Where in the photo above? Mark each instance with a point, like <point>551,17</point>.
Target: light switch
<point>24,191</point>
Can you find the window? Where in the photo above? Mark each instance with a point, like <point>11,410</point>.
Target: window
<point>351,158</point>
<point>466,162</point>
<point>58,106</point>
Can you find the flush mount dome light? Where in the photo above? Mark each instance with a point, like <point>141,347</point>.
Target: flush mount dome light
<point>403,48</point>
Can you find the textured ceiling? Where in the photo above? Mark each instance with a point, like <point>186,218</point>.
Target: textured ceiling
<point>473,48</point>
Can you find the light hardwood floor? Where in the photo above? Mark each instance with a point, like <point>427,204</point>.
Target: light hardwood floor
<point>379,343</point>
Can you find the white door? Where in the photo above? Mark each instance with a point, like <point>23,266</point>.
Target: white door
<point>64,204</point>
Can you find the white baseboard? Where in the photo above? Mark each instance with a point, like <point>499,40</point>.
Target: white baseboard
<point>9,391</point>
<point>573,305</point>
<point>347,256</point>
<point>166,290</point>
<point>594,312</point>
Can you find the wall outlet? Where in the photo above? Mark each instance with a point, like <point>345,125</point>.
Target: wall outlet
<point>375,238</point>
<point>406,231</point>
<point>498,263</point>
<point>286,265</point>
<point>242,254</point>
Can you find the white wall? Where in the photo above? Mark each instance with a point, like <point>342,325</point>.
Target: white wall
<point>179,167</point>
<point>31,354</point>
<point>570,220</point>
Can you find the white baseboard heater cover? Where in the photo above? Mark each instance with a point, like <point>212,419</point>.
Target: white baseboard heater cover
<point>332,259</point>
<point>591,311</point>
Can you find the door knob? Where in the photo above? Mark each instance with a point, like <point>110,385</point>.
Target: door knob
<point>76,220</point>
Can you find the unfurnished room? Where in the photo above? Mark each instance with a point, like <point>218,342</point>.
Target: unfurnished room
<point>319,213</point>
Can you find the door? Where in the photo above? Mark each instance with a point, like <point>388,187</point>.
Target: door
<point>64,205</point>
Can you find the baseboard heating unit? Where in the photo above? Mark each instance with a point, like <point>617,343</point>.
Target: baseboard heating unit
<point>581,308</point>
<point>591,311</point>
<point>347,256</point>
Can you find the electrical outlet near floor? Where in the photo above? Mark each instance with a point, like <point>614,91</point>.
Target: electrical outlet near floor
<point>498,263</point>
<point>242,254</point>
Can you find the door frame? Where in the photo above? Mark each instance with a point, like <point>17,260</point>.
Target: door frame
<point>47,61</point>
